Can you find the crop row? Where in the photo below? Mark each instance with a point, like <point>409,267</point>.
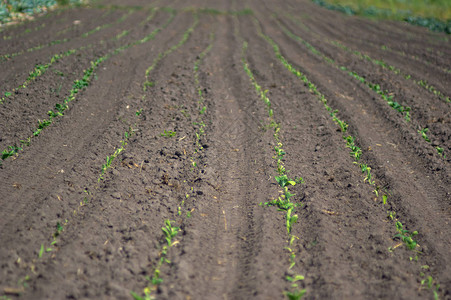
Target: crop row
<point>376,61</point>
<point>40,69</point>
<point>385,95</point>
<point>285,200</point>
<point>414,57</point>
<point>77,87</point>
<point>406,236</point>
<point>169,230</point>
<point>25,32</point>
<point>5,57</point>
<point>162,55</point>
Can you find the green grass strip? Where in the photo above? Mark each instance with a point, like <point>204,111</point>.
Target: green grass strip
<point>393,10</point>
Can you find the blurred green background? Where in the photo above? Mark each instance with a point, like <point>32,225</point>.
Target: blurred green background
<point>16,10</point>
<point>433,14</point>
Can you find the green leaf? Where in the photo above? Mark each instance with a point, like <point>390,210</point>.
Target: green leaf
<point>136,296</point>
<point>41,251</point>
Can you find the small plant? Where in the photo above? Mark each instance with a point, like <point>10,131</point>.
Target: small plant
<point>391,215</point>
<point>406,236</point>
<point>10,151</point>
<point>366,170</point>
<point>356,152</point>
<point>59,229</point>
<point>424,135</point>
<point>110,159</point>
<point>169,231</point>
<point>431,285</point>
<point>168,133</point>
<point>147,295</point>
<point>296,295</point>
<point>42,250</point>
<point>440,151</point>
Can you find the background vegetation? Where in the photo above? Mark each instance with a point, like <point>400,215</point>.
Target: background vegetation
<point>434,14</point>
<point>16,10</point>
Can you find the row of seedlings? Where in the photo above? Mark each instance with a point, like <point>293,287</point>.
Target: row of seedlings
<point>405,236</point>
<point>284,202</point>
<point>52,245</point>
<point>78,86</point>
<point>379,62</point>
<point>40,69</point>
<point>8,56</point>
<point>170,228</point>
<point>385,95</point>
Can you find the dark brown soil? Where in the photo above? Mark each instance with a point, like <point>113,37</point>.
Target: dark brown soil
<point>210,178</point>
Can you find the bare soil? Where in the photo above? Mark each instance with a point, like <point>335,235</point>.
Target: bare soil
<point>210,178</point>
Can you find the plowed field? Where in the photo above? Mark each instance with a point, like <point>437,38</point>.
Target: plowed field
<point>223,150</point>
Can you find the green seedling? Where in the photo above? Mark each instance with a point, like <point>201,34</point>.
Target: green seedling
<point>169,231</point>
<point>26,142</point>
<point>391,215</point>
<point>356,152</point>
<point>139,112</point>
<point>291,219</point>
<point>59,229</point>
<point>343,125</point>
<point>440,151</point>
<point>168,133</point>
<point>299,180</point>
<point>147,295</point>
<point>283,181</point>
<point>292,257</point>
<point>10,151</point>
<point>366,170</point>
<point>42,250</point>
<point>406,236</point>
<point>295,278</point>
<point>431,285</point>
<point>296,295</point>
<point>110,159</point>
